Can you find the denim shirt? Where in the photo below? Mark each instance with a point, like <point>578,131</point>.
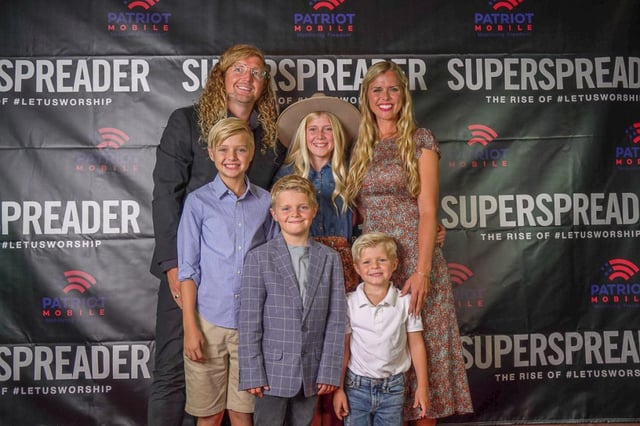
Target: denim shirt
<point>329,221</point>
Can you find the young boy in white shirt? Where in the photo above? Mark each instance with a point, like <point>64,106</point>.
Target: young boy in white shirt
<point>381,343</point>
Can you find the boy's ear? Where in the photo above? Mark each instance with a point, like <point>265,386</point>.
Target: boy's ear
<point>395,265</point>
<point>211,151</point>
<point>273,214</point>
<point>355,266</point>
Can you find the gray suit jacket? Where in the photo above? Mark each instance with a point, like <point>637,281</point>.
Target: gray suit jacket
<point>286,343</point>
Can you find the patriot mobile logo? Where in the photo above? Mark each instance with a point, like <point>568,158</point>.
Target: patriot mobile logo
<point>77,300</point>
<point>483,152</point>
<point>619,268</point>
<point>112,137</point>
<point>326,18</point>
<point>466,297</point>
<point>506,19</point>
<point>459,273</point>
<point>139,18</point>
<point>621,285</point>
<point>627,156</point>
<point>481,134</point>
<point>78,281</point>
<point>502,4</point>
<point>329,5</point>
<point>110,157</point>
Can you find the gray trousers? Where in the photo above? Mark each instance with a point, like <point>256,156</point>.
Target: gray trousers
<point>277,411</point>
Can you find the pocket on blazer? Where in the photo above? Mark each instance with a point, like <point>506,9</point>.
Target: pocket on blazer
<point>273,355</point>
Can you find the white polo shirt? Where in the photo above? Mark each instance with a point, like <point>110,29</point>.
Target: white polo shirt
<point>379,346</point>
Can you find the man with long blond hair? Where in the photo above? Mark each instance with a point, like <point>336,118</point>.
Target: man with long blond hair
<point>239,85</point>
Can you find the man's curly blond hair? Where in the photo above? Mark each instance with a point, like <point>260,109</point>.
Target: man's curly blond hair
<point>212,105</point>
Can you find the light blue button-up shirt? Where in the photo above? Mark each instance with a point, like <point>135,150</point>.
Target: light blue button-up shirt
<point>216,230</point>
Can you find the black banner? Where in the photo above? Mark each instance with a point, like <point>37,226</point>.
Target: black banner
<point>536,105</point>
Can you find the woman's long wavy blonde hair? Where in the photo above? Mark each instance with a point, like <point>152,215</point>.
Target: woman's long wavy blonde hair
<point>368,134</point>
<point>298,155</point>
<point>212,105</point>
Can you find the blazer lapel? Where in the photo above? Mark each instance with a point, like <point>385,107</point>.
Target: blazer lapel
<point>285,270</point>
<point>314,274</point>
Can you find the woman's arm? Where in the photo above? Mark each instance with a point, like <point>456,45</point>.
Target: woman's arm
<point>419,281</point>
<point>419,361</point>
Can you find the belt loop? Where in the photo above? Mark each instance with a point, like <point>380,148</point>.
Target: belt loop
<point>353,376</point>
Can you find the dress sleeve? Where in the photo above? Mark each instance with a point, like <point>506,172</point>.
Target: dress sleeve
<point>424,138</point>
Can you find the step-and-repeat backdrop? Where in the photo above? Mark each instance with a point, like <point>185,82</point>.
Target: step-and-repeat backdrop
<point>537,106</point>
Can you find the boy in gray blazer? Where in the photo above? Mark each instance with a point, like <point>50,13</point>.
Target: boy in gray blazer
<point>292,313</point>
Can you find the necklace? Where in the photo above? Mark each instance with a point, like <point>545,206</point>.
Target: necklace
<point>384,137</point>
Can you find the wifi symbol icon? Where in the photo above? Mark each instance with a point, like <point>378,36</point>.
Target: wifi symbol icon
<point>327,4</point>
<point>112,137</point>
<point>505,4</point>
<point>621,268</point>
<point>459,273</point>
<point>78,281</point>
<point>146,4</point>
<point>633,132</point>
<point>481,134</point>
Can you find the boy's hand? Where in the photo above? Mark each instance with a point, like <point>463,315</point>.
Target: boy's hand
<point>174,285</point>
<point>193,344</point>
<point>324,389</point>
<point>259,391</point>
<point>421,401</point>
<point>340,404</point>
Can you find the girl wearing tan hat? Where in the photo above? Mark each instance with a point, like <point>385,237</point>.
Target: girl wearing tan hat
<point>319,131</point>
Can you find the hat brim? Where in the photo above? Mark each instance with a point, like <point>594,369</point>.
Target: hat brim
<point>290,118</point>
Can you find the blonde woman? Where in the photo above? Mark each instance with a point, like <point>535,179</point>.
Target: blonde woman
<point>393,181</point>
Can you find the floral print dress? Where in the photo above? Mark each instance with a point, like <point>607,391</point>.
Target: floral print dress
<point>387,207</point>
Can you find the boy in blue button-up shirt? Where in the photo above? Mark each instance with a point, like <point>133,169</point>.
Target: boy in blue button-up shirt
<point>219,224</point>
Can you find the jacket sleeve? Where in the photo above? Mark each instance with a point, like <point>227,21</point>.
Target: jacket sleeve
<point>252,298</point>
<point>171,174</point>
<point>330,371</point>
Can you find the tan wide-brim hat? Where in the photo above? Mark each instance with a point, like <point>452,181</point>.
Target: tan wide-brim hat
<point>290,118</point>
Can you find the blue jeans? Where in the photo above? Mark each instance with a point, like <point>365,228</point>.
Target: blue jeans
<point>377,402</point>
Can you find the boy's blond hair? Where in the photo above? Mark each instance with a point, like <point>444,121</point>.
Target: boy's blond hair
<point>294,183</point>
<point>372,239</point>
<point>226,128</point>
